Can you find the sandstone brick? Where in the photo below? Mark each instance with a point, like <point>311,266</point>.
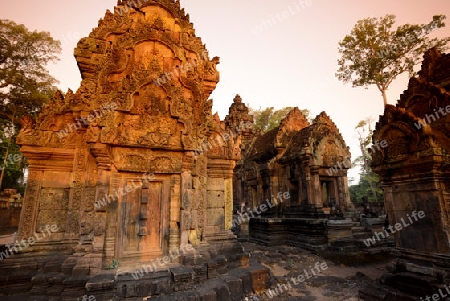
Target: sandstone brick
<point>215,199</point>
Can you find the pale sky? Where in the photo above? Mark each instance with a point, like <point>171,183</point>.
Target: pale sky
<point>273,53</point>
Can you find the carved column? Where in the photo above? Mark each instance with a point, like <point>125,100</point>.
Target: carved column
<point>220,194</point>
<point>46,199</point>
<point>102,156</point>
<point>72,233</point>
<point>316,200</point>
<point>187,208</point>
<point>30,204</point>
<point>175,212</point>
<point>346,194</point>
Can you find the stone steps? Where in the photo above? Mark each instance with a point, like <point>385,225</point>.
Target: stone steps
<point>232,286</point>
<point>36,279</point>
<point>358,228</point>
<point>360,232</point>
<point>380,246</point>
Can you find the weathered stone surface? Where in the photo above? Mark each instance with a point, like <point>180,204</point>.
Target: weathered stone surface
<point>216,199</point>
<point>215,217</point>
<point>183,277</point>
<point>414,170</point>
<point>295,165</point>
<point>215,184</point>
<point>189,200</point>
<point>124,165</point>
<point>290,180</point>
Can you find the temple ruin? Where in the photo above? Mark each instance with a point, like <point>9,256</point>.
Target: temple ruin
<point>415,173</point>
<point>130,169</point>
<point>295,158</point>
<point>135,187</point>
<point>291,188</point>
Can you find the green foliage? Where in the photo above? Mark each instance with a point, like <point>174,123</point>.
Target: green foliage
<point>269,118</point>
<point>25,85</point>
<point>291,263</point>
<point>375,54</point>
<point>364,190</point>
<point>262,118</point>
<point>114,265</point>
<point>369,183</point>
<point>13,172</point>
<point>364,131</point>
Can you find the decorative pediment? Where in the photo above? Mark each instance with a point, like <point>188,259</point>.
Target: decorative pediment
<point>420,122</point>
<point>321,142</point>
<point>294,121</point>
<point>145,59</point>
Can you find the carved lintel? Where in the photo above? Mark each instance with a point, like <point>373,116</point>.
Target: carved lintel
<point>147,160</point>
<point>46,158</point>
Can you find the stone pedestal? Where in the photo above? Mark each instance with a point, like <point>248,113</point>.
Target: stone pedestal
<point>245,229</point>
<point>340,235</point>
<point>373,224</point>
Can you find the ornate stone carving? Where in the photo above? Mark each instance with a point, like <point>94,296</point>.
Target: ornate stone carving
<point>281,161</point>
<point>53,206</point>
<point>146,60</point>
<point>148,160</point>
<point>413,170</point>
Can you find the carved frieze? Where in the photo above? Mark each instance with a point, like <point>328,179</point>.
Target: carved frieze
<point>146,160</point>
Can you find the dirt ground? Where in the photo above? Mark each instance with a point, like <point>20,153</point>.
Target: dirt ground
<point>336,282</point>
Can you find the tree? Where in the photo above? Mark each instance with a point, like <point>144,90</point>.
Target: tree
<point>362,191</point>
<point>364,131</point>
<point>369,182</point>
<point>375,54</point>
<point>268,118</point>
<point>25,83</point>
<point>11,168</point>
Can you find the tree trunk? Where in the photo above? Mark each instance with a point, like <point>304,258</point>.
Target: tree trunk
<point>374,192</point>
<point>383,92</point>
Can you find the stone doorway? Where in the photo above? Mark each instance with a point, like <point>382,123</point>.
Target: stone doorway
<point>294,192</point>
<point>254,197</point>
<point>328,192</point>
<point>143,219</point>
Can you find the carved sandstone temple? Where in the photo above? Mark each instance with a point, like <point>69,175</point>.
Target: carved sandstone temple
<point>131,166</point>
<point>297,173</point>
<point>295,157</point>
<point>415,173</point>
